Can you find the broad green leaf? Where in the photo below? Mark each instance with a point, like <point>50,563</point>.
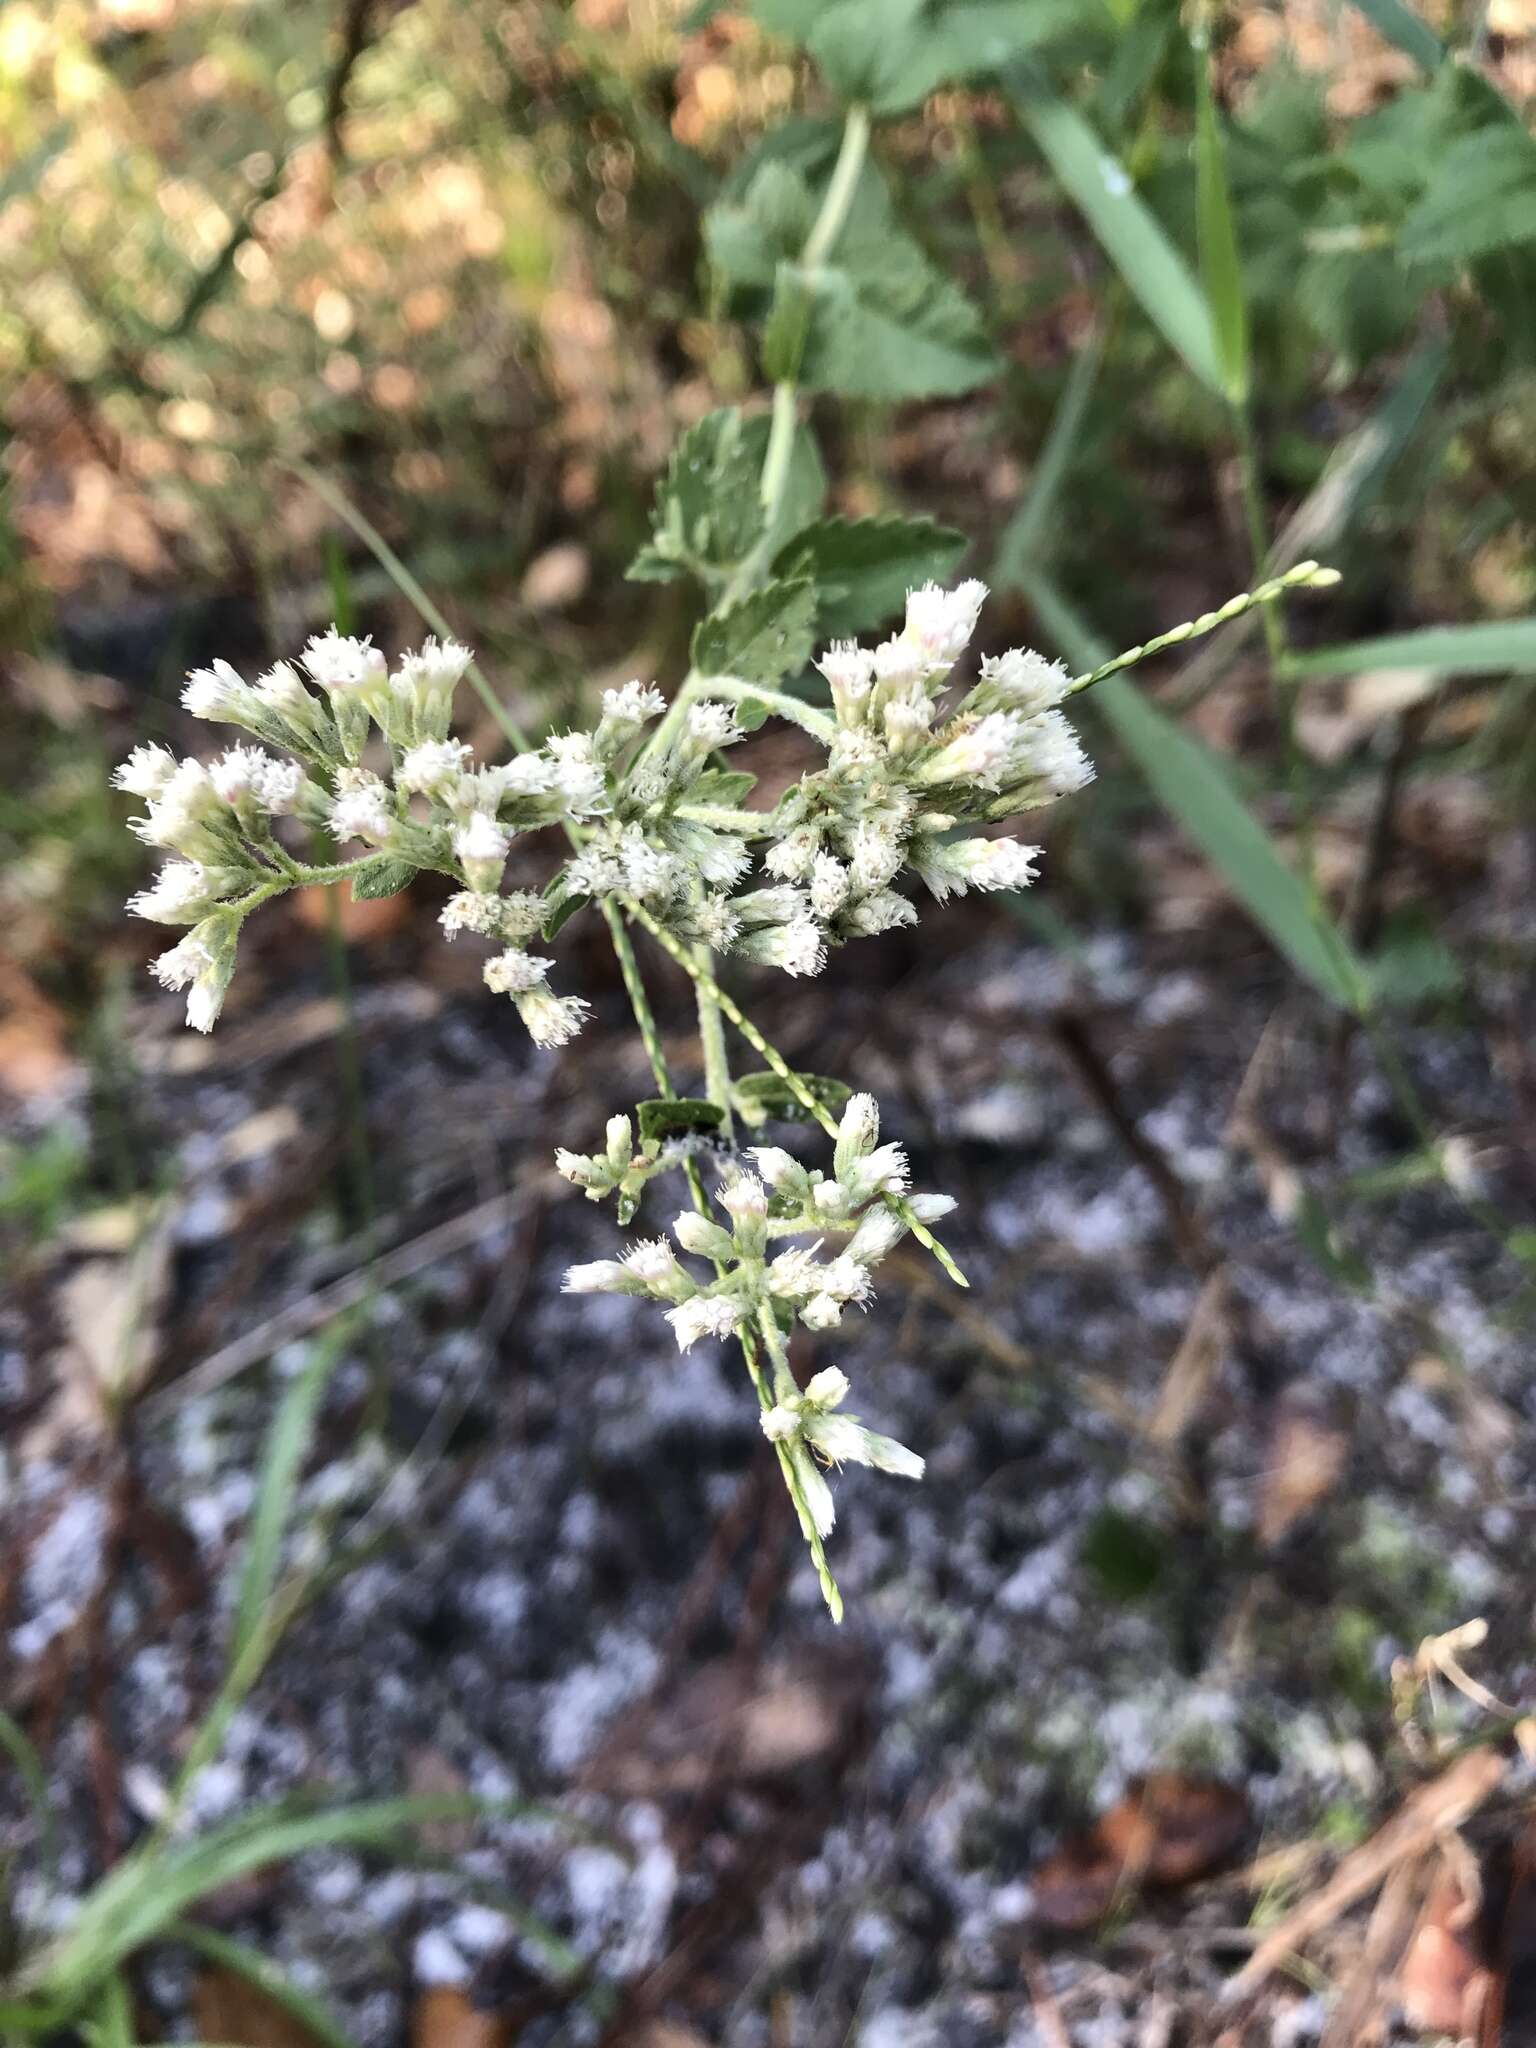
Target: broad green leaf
<point>381,875</point>
<point>312,2014</point>
<point>287,1446</point>
<point>726,787</point>
<point>747,237</point>
<point>1481,196</point>
<point>892,54</point>
<point>1400,24</point>
<point>1197,787</point>
<point>707,511</point>
<point>1135,242</point>
<point>767,634</point>
<point>1491,648</point>
<point>678,1116</point>
<point>759,1096</point>
<point>863,568</point>
<point>1220,266</point>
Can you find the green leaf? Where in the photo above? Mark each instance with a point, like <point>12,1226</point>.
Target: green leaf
<point>707,510</point>
<point>1481,196</point>
<point>154,1885</point>
<point>678,1116</point>
<point>1023,538</point>
<point>1220,266</point>
<point>891,54</point>
<point>312,2014</point>
<point>767,634</point>
<point>749,236</point>
<point>725,787</point>
<point>1135,242</point>
<point>1197,787</point>
<point>1408,30</point>
<point>759,1096</point>
<point>1494,647</point>
<point>562,908</point>
<point>287,1446</point>
<point>863,568</point>
<point>381,875</point>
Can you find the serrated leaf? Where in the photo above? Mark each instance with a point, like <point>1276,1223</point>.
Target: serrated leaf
<point>863,568</point>
<point>677,1116</point>
<point>562,907</point>
<point>759,1096</point>
<point>381,875</point>
<point>1481,196</point>
<point>893,53</point>
<point>727,787</point>
<point>766,635</point>
<point>708,507</point>
<point>884,322</point>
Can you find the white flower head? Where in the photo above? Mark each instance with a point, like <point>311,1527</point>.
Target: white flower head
<point>653,1264</point>
<point>434,671</point>
<point>705,1239</point>
<point>830,885</point>
<point>343,665</point>
<point>146,771</point>
<point>985,752</point>
<point>634,705</point>
<point>514,972</point>
<point>882,912</point>
<point>598,1276</point>
<point>218,692</point>
<point>251,776</point>
<point>1050,754</point>
<point>433,767</point>
<point>490,916</point>
<point>940,622</point>
<point>360,808</point>
<point>201,964</point>
<point>874,856</point>
<point>704,1316</point>
<point>480,847</point>
<point>899,665</point>
<point>576,773</point>
<point>798,947</point>
<point>551,1021</point>
<point>794,856</point>
<point>858,1128</point>
<point>1023,681</point>
<point>180,894</point>
<point>795,1275</point>
<point>711,726</point>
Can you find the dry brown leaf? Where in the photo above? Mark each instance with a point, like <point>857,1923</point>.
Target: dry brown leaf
<point>231,2009</point>
<point>1438,1973</point>
<point>557,577</point>
<point>35,1058</point>
<point>444,2018</point>
<point>1307,1456</point>
<point>1170,1829</point>
<point>109,1309</point>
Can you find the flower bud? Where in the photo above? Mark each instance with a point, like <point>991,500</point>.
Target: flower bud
<point>697,1234</point>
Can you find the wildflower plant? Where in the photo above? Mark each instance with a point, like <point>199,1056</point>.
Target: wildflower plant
<point>921,767</point>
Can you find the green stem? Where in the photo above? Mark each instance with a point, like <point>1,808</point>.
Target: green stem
<point>1305,575</point>
<point>781,446</point>
<point>717,1066</point>
<point>775,1060</point>
<point>841,186</point>
<point>639,1001</point>
<point>784,1384</point>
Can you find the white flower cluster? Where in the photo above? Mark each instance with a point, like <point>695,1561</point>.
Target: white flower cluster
<point>810,1435</point>
<point>904,771</point>
<point>783,1200</point>
<point>655,820</point>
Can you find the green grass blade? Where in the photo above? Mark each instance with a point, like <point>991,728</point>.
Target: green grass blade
<point>1491,648</point>
<point>1197,788</point>
<point>18,1746</point>
<point>1020,543</point>
<point>1221,269</point>
<point>156,1886</point>
<point>1131,235</point>
<point>287,1444</point>
<point>311,2013</point>
<point>1408,30</point>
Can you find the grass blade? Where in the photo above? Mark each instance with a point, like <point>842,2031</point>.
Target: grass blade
<point>1402,26</point>
<point>1491,648</point>
<point>29,1768</point>
<point>312,2014</point>
<point>1019,544</point>
<point>1196,787</point>
<point>287,1445</point>
<point>1221,270</point>
<point>155,1886</point>
<point>1131,235</point>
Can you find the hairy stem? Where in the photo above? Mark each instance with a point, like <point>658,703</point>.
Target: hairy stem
<point>784,1384</point>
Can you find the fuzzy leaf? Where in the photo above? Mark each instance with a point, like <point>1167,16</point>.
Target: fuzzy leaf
<point>1482,196</point>
<point>677,1116</point>
<point>727,787</point>
<point>381,875</point>
<point>759,1096</point>
<point>708,509</point>
<point>863,568</point>
<point>892,54</point>
<point>562,906</point>
<point>766,635</point>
